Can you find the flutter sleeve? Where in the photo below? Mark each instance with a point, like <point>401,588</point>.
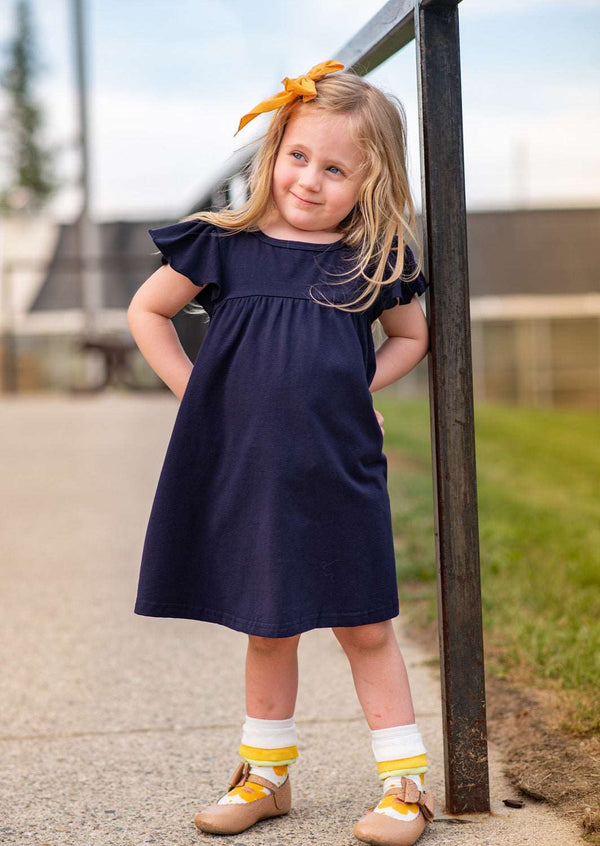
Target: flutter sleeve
<point>192,248</point>
<point>402,291</point>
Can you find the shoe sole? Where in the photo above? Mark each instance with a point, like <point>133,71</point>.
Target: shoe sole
<point>214,828</point>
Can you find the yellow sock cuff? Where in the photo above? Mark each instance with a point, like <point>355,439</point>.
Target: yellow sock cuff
<point>402,766</point>
<point>268,757</point>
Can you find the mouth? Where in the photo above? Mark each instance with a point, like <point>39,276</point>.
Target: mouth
<point>302,200</point>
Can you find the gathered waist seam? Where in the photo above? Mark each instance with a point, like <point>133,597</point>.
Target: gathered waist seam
<point>271,296</point>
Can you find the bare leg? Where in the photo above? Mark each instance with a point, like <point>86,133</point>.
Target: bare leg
<point>379,673</point>
<point>271,677</point>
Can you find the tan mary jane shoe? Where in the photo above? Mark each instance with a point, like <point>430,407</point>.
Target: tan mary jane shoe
<point>237,817</point>
<point>384,830</point>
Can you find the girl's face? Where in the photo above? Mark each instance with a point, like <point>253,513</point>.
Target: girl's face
<point>315,178</point>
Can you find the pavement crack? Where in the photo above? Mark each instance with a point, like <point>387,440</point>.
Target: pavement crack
<point>175,729</point>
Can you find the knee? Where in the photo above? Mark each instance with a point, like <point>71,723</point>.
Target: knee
<point>369,638</point>
<point>273,644</point>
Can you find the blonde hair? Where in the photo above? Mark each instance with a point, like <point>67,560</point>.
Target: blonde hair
<point>384,211</point>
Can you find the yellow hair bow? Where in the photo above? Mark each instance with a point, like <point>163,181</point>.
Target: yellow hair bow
<point>302,86</point>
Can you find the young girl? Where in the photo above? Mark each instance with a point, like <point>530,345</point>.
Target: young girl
<point>272,513</point>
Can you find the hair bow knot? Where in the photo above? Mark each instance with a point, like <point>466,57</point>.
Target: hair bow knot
<point>301,86</point>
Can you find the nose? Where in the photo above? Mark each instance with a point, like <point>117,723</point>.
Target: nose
<point>309,179</point>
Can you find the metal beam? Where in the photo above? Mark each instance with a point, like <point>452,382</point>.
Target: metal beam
<point>87,232</point>
<point>388,31</point>
<point>438,3</point>
<point>451,408</point>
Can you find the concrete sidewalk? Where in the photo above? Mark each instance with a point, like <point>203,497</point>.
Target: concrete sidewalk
<point>116,729</point>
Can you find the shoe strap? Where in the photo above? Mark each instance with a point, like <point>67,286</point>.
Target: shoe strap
<point>410,794</point>
<point>242,774</point>
<point>264,781</point>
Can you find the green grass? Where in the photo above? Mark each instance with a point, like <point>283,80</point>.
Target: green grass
<point>538,484</point>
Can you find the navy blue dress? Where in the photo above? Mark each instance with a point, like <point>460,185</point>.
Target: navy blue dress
<point>272,514</point>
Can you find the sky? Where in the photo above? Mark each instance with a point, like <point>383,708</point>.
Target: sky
<point>169,81</point>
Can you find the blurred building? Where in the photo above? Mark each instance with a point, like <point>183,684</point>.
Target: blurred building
<point>534,278</point>
<point>534,285</point>
<point>41,308</point>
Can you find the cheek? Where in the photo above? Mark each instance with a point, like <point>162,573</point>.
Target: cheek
<point>347,199</point>
<point>281,177</point>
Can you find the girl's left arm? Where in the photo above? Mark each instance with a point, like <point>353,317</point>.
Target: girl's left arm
<point>407,343</point>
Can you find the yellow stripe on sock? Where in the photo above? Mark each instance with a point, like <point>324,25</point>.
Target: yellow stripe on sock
<point>258,763</point>
<point>268,757</point>
<point>403,766</point>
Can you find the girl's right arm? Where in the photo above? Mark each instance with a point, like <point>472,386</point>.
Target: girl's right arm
<point>149,315</point>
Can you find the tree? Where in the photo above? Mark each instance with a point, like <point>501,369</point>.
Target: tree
<point>30,180</point>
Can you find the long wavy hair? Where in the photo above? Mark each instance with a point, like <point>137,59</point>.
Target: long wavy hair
<point>383,215</point>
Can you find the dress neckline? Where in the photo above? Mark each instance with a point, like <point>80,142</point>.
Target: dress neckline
<point>298,245</point>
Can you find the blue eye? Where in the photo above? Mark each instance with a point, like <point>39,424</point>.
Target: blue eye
<point>295,153</point>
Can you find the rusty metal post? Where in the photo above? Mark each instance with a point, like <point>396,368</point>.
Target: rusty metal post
<point>451,408</point>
